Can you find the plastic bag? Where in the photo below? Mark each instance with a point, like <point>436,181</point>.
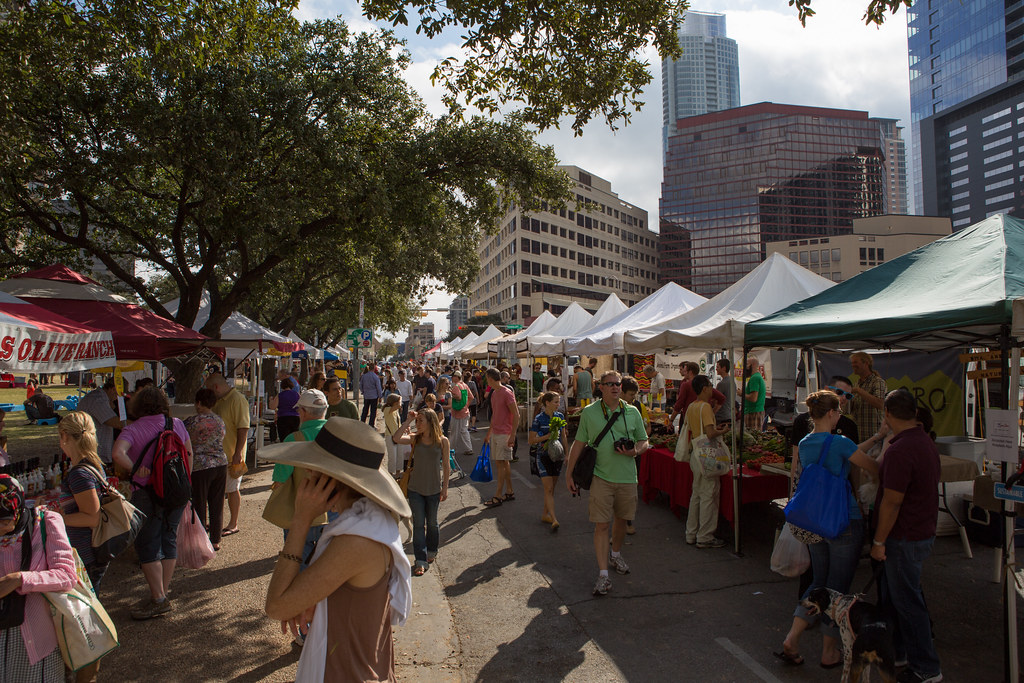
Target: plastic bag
<point>790,557</point>
<point>194,547</point>
<point>482,470</point>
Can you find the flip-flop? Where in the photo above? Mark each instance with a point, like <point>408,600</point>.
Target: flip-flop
<point>419,570</point>
<point>508,497</point>
<point>788,659</point>
<point>493,502</point>
<point>229,532</point>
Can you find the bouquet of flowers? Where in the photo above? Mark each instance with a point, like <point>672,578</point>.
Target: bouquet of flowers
<point>557,424</point>
<point>554,447</point>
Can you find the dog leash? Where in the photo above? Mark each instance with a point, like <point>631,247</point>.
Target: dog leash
<point>879,566</point>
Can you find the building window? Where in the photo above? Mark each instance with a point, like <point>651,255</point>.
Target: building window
<point>863,254</point>
<point>803,258</point>
<point>793,256</point>
<point>544,270</point>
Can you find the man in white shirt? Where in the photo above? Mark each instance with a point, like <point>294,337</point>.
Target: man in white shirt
<point>404,388</point>
<point>657,392</point>
<point>98,404</point>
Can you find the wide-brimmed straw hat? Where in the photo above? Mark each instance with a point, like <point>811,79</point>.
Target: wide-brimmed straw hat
<point>351,452</point>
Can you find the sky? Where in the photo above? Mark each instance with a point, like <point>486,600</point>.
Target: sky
<point>836,61</point>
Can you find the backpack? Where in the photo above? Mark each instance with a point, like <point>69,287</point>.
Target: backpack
<point>171,480</point>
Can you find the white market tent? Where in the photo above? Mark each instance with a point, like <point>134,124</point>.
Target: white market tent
<point>241,335</point>
<point>467,341</point>
<point>479,349</point>
<point>543,322</point>
<point>606,339</point>
<point>719,322</point>
<point>550,345</point>
<point>573,319</point>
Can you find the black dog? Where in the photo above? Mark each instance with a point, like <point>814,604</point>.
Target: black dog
<point>866,636</point>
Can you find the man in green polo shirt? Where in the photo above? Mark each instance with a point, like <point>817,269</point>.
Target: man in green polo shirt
<point>754,393</point>
<point>613,494</point>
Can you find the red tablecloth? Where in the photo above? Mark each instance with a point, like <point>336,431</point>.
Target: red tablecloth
<point>659,471</point>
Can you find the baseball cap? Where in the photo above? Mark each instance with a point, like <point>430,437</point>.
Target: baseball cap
<point>312,398</point>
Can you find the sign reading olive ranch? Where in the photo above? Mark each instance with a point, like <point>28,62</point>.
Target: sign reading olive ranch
<point>33,350</point>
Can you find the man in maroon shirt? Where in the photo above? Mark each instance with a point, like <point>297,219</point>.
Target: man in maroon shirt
<point>685,397</point>
<point>907,508</point>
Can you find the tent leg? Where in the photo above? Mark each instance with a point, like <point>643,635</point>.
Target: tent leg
<point>737,472</point>
<point>1011,391</point>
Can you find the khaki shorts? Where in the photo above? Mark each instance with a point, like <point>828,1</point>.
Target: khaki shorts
<point>500,450</point>
<point>611,501</point>
<point>232,484</point>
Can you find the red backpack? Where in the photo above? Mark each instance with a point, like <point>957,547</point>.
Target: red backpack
<point>171,480</point>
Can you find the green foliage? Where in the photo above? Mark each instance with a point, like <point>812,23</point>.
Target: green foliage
<point>576,58</point>
<point>221,145</point>
<point>874,14</point>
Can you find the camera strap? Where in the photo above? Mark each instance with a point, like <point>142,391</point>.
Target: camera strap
<point>611,421</point>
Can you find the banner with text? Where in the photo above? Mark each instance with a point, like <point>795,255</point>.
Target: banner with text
<point>25,349</point>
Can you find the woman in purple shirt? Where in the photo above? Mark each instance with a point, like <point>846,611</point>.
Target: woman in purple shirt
<point>287,413</point>
<point>156,544</point>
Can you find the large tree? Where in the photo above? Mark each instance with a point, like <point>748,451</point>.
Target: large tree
<point>230,148</point>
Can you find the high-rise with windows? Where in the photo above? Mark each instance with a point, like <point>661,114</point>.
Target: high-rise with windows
<point>705,78</point>
<point>738,179</point>
<point>959,51</point>
<point>547,259</point>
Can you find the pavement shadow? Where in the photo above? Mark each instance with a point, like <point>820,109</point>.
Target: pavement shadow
<point>549,626</point>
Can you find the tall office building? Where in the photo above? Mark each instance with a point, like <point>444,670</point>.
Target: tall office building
<point>547,259</point>
<point>738,179</point>
<point>958,50</point>
<point>420,339</point>
<point>458,314</point>
<point>705,78</point>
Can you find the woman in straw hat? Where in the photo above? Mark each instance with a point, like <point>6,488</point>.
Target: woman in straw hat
<point>358,584</point>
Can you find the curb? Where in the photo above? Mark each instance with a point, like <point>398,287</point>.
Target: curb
<point>427,648</point>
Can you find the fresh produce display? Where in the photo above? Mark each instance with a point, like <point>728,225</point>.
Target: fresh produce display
<point>770,459</point>
<point>763,447</point>
<point>667,441</point>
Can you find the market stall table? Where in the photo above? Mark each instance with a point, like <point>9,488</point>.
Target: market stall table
<point>956,469</point>
<point>659,471</point>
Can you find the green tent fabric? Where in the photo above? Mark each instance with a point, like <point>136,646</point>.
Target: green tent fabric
<point>953,292</point>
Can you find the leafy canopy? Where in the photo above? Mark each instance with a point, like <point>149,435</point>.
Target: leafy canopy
<point>284,167</point>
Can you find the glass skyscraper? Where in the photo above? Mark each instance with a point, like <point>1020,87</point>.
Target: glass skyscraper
<point>738,179</point>
<point>705,78</point>
<point>958,50</point>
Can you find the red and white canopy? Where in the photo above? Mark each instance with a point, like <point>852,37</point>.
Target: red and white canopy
<point>33,339</point>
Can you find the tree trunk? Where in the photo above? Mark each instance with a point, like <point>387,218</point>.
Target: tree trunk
<point>268,373</point>
<point>188,378</point>
<point>303,372</point>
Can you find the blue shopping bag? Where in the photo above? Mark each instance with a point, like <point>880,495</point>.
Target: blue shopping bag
<point>482,470</point>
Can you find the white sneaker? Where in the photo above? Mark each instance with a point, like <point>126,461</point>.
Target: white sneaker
<point>603,585</point>
<point>619,564</point>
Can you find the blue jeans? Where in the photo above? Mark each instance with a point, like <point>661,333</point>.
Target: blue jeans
<point>833,564</point>
<point>901,593</point>
<point>425,532</point>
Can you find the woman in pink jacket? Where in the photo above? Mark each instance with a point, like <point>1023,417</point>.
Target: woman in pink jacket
<point>28,640</point>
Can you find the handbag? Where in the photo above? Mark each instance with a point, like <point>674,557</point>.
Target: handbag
<point>12,605</point>
<point>119,523</point>
<point>482,470</point>
<point>194,546</point>
<point>712,454</point>
<point>403,483</point>
<point>789,557</point>
<point>683,442</point>
<point>85,632</point>
<point>280,505</point>
<point>583,470</point>
<point>821,503</point>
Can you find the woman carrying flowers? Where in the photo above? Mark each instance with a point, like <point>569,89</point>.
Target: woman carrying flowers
<point>547,451</point>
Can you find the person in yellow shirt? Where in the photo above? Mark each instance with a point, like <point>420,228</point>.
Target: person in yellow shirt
<point>233,408</point>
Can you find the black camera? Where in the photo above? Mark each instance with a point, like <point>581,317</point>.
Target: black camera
<point>624,444</point>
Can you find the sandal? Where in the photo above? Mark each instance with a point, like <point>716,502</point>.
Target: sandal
<point>789,659</point>
<point>493,502</point>
<point>419,570</point>
<point>229,532</point>
<point>508,497</point>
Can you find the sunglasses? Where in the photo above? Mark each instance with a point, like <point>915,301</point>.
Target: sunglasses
<point>612,384</point>
<point>839,391</point>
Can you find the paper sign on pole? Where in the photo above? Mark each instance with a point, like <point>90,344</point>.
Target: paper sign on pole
<point>1002,433</point>
<point>122,414</point>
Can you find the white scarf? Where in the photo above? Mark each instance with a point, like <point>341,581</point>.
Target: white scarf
<point>369,520</point>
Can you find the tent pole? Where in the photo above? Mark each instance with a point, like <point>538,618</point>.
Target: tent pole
<point>737,474</point>
<point>735,450</point>
<point>1009,530</point>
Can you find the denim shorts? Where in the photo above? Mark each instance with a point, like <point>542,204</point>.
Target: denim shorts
<point>158,537</point>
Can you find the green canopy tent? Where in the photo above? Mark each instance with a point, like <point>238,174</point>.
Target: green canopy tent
<point>955,292</point>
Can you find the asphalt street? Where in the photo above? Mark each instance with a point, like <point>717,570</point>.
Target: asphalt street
<point>507,600</point>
